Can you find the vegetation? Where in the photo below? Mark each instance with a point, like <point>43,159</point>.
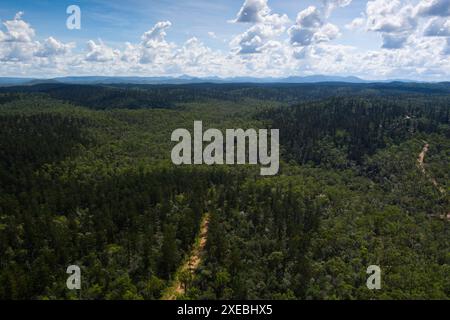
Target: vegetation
<point>86,179</point>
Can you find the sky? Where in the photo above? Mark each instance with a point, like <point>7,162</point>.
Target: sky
<point>371,39</point>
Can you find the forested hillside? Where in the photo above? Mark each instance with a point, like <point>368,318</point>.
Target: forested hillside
<point>86,179</point>
<point>135,96</point>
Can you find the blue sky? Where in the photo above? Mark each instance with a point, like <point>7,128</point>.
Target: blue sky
<point>117,23</point>
<point>373,39</point>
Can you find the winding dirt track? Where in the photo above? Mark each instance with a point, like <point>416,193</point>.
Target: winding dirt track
<point>192,263</point>
<point>421,165</point>
<point>422,157</point>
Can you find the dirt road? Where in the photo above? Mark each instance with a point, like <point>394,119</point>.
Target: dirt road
<point>421,165</point>
<point>191,264</point>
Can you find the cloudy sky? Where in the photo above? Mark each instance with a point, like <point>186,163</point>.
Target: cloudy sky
<point>376,39</point>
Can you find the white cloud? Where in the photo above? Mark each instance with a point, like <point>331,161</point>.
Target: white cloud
<point>193,53</point>
<point>395,21</point>
<point>399,22</point>
<point>194,58</point>
<point>17,43</point>
<point>212,35</point>
<point>439,8</point>
<point>310,28</point>
<point>157,33</point>
<point>131,53</point>
<point>394,40</point>
<point>266,27</point>
<point>52,47</point>
<point>355,24</point>
<point>446,50</point>
<point>100,52</point>
<point>154,47</point>
<point>326,33</point>
<point>437,27</point>
<point>309,18</point>
<point>258,11</point>
<point>300,36</point>
<point>390,16</point>
<point>18,30</point>
<point>254,39</point>
<point>253,11</point>
<point>420,39</point>
<point>330,5</point>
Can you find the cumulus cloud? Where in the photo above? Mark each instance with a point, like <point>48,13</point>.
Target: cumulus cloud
<point>52,47</point>
<point>99,52</point>
<point>439,8</point>
<point>18,30</point>
<point>17,43</point>
<point>446,49</point>
<point>330,5</point>
<point>194,57</point>
<point>254,39</point>
<point>437,27</point>
<point>394,40</point>
<point>266,27</point>
<point>253,11</point>
<point>131,53</point>
<point>309,18</point>
<point>355,24</point>
<point>157,33</point>
<point>326,33</point>
<point>390,16</point>
<point>258,11</point>
<point>154,46</point>
<point>300,36</point>
<point>398,22</point>
<point>415,45</point>
<point>393,20</point>
<point>310,28</point>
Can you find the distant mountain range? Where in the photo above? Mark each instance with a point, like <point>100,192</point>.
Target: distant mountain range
<point>185,79</point>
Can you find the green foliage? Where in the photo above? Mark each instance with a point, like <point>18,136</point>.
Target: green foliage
<point>94,187</point>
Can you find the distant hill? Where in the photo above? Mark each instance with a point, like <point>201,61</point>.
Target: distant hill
<point>6,81</point>
<point>322,78</point>
<point>186,79</point>
<point>138,96</point>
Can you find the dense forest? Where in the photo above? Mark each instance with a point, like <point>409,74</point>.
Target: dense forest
<point>136,96</point>
<point>86,179</point>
